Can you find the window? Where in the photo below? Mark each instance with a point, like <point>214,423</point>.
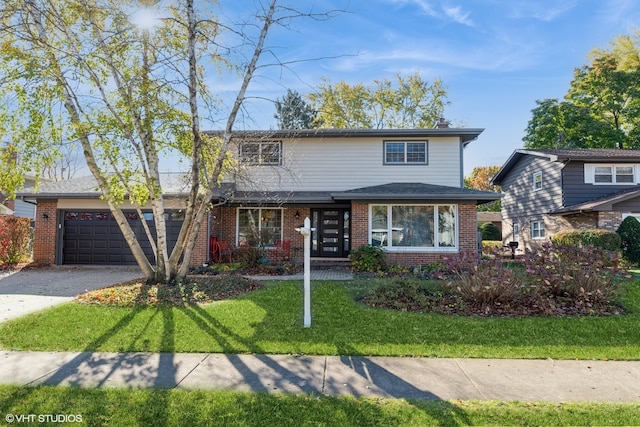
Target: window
<point>261,153</point>
<point>398,152</point>
<point>516,232</point>
<point>537,230</point>
<point>424,227</point>
<point>610,174</point>
<point>259,226</point>
<point>603,175</point>
<point>537,181</point>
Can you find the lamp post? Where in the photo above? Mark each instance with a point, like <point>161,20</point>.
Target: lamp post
<point>306,232</point>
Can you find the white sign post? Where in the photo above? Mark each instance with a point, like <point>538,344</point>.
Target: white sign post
<point>306,232</point>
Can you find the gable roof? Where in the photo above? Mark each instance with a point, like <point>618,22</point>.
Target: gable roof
<point>466,135</point>
<point>416,191</point>
<point>565,155</point>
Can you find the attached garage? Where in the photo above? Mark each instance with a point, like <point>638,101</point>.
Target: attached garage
<point>93,236</point>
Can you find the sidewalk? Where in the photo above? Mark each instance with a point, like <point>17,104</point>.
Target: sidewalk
<point>382,377</point>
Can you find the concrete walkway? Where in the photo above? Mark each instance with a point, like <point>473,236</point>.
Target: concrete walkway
<point>423,378</point>
<point>383,377</point>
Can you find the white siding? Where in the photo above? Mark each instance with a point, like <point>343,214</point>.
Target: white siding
<point>343,164</point>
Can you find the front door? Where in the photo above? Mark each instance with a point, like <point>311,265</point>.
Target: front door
<point>332,237</point>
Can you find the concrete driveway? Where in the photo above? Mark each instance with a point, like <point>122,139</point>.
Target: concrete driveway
<point>33,289</point>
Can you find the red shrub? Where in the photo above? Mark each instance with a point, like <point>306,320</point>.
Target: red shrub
<point>15,240</point>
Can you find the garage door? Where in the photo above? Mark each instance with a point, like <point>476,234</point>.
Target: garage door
<point>93,237</point>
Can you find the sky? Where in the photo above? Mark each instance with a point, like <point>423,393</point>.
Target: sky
<point>496,57</point>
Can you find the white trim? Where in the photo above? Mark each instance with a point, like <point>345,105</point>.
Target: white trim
<point>405,153</point>
<point>535,181</point>
<point>541,230</point>
<point>417,249</point>
<point>260,209</point>
<point>590,173</point>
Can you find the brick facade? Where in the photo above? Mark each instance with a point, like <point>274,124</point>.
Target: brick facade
<point>44,242</point>
<point>223,227</point>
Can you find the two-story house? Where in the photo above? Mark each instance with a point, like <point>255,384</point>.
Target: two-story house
<point>398,189</point>
<point>549,190</point>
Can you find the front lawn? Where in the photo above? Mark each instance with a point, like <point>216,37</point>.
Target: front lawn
<point>121,407</point>
<point>269,320</point>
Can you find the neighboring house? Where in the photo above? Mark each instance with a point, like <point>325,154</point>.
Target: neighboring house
<point>20,207</point>
<point>547,191</point>
<point>398,189</point>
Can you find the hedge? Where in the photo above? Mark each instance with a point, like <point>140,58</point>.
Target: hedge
<point>608,240</point>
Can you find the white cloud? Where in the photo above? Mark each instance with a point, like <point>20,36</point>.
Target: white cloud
<point>439,10</point>
<point>458,15</point>
<point>541,10</point>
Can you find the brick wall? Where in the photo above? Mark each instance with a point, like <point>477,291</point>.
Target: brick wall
<point>44,244</point>
<point>467,235</point>
<point>223,227</point>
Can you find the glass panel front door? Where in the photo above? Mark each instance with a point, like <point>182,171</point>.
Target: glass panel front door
<point>332,236</point>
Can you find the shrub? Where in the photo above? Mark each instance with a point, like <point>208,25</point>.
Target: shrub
<point>605,239</point>
<point>556,280</point>
<point>248,256</point>
<point>15,240</point>
<point>491,246</point>
<point>403,294</point>
<point>490,231</point>
<point>485,285</point>
<point>629,232</point>
<point>368,258</point>
<point>567,271</point>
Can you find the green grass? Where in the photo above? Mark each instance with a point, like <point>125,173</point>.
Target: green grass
<point>270,321</point>
<point>120,407</point>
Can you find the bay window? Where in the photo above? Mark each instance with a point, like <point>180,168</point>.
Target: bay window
<point>423,227</point>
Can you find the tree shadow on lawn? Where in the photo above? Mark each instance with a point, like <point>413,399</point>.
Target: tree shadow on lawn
<point>99,370</point>
<point>261,372</point>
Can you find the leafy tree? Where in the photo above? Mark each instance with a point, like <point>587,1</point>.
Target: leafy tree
<point>601,108</point>
<point>490,232</point>
<point>556,124</point>
<point>412,103</point>
<point>78,70</point>
<point>293,112</point>
<point>480,179</point>
<point>629,232</point>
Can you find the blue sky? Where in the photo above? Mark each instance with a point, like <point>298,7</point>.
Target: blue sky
<point>497,57</point>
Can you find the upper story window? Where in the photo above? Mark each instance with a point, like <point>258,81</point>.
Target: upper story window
<point>405,152</point>
<point>537,181</point>
<point>261,152</point>
<point>610,174</point>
